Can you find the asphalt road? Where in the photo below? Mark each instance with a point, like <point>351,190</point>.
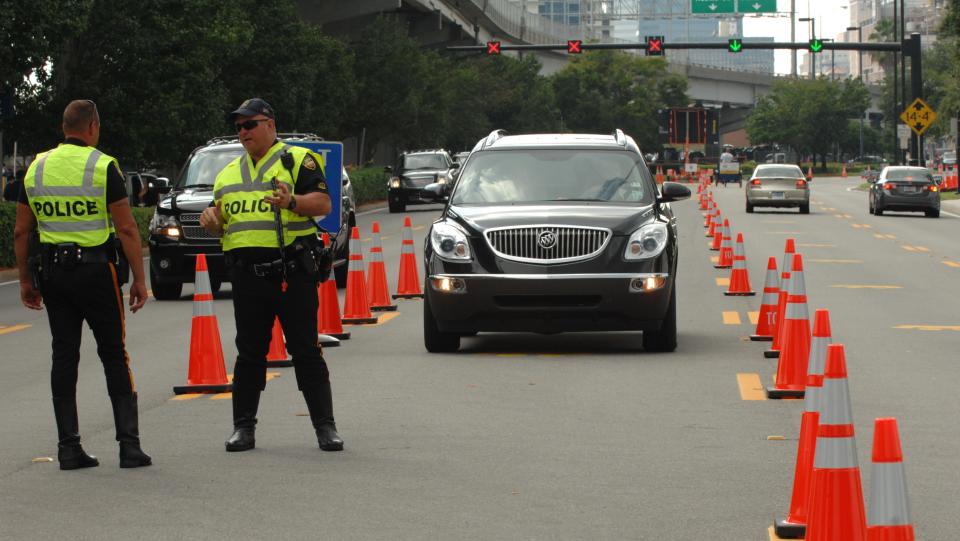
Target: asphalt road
<point>516,436</point>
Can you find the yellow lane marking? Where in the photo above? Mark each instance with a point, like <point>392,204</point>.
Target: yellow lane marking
<point>384,237</point>
<point>953,264</point>
<point>731,318</point>
<point>222,396</point>
<point>418,227</point>
<point>852,286</point>
<point>847,216</point>
<point>929,327</point>
<point>42,459</point>
<point>186,396</point>
<point>910,248</point>
<point>382,318</point>
<point>723,282</point>
<point>773,534</point>
<point>14,328</point>
<point>754,317</point>
<point>714,259</point>
<point>885,236</point>
<point>834,260</point>
<point>839,215</point>
<point>861,226</point>
<point>810,245</point>
<point>750,387</point>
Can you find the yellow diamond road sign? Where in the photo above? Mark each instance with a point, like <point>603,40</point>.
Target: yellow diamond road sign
<point>919,116</point>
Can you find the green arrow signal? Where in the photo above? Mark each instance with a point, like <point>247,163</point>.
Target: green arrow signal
<point>735,45</point>
<point>816,45</point>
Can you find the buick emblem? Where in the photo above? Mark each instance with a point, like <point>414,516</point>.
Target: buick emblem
<point>547,240</point>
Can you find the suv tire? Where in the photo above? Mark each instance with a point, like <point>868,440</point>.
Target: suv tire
<point>932,213</point>
<point>805,209</point>
<point>165,292</point>
<point>749,207</point>
<point>664,340</point>
<point>433,339</point>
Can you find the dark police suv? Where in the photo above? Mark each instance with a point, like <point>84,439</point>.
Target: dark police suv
<point>414,171</point>
<point>553,233</point>
<point>176,237</point>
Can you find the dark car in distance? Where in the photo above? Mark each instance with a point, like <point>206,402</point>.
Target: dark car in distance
<point>905,188</point>
<point>553,233</point>
<point>414,171</point>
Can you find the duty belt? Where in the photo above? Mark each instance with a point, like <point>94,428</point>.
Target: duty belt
<point>69,254</point>
<point>266,269</point>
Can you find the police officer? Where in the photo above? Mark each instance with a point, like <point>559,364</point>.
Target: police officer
<point>267,283</point>
<point>75,196</point>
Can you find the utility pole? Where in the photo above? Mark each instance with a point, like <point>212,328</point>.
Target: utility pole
<point>793,37</point>
<point>859,30</point>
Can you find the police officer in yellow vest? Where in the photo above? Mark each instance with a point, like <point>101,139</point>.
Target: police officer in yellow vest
<point>267,284</point>
<point>75,196</point>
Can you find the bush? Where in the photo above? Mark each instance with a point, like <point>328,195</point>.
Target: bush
<point>369,184</point>
<point>143,215</point>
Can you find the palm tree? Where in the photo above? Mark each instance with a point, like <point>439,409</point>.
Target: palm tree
<point>883,31</point>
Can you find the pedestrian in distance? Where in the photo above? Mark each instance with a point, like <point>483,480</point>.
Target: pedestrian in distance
<point>264,202</point>
<point>74,200</point>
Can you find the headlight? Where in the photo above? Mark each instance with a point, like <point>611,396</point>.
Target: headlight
<point>646,242</point>
<point>162,224</point>
<point>394,182</point>
<point>450,242</point>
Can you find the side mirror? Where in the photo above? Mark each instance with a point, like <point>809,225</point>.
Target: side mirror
<point>673,191</point>
<point>455,165</point>
<point>387,169</point>
<point>433,191</point>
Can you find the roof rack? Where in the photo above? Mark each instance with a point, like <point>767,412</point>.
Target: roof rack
<point>620,137</point>
<point>492,138</point>
<point>222,139</point>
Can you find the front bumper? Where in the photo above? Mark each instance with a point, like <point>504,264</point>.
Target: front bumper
<point>172,262</point>
<point>411,196</point>
<point>550,303</point>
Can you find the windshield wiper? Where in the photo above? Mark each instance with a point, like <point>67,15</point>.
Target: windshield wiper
<point>199,186</point>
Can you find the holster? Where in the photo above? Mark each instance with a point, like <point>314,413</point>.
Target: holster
<point>315,259</point>
<point>123,265</point>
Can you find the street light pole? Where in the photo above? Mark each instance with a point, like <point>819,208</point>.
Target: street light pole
<point>812,56</point>
<point>859,30</point>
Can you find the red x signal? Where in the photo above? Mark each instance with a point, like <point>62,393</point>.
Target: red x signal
<point>654,45</point>
<point>493,47</point>
<point>574,46</point>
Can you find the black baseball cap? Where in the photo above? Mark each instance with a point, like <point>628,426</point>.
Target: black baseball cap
<point>252,107</point>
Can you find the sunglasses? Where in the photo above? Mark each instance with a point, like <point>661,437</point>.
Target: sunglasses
<point>249,124</point>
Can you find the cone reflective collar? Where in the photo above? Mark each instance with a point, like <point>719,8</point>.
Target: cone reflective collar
<point>408,284</point>
<point>888,515</point>
<point>767,320</point>
<point>377,291</point>
<point>836,508</point>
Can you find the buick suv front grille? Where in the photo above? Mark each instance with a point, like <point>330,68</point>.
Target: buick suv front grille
<point>190,223</point>
<point>547,243</point>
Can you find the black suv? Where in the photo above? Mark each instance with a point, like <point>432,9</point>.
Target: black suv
<point>176,236</point>
<point>552,233</point>
<point>413,172</point>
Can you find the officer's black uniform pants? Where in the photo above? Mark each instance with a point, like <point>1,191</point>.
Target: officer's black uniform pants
<point>256,302</point>
<point>88,292</point>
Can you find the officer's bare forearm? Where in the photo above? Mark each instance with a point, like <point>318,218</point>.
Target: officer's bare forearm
<point>313,204</point>
<point>25,224</point>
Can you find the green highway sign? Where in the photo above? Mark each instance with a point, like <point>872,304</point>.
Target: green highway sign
<point>816,45</point>
<point>735,45</point>
<point>757,6</point>
<point>712,6</point>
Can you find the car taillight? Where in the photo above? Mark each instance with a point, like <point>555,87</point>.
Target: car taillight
<point>801,184</point>
<point>932,188</point>
<point>887,186</point>
<point>755,182</point>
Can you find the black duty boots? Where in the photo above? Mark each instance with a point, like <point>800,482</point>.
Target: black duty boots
<point>245,404</point>
<point>125,417</point>
<point>69,452</point>
<point>320,403</point>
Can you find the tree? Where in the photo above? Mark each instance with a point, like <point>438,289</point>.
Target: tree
<point>606,90</point>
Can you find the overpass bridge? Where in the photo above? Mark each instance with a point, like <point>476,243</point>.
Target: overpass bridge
<point>442,23</point>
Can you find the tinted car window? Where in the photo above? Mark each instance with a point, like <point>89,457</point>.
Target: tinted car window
<point>778,172</point>
<point>424,161</point>
<point>914,175</point>
<point>205,166</point>
<point>525,176</point>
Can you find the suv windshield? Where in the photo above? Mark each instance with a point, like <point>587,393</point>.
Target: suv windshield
<point>203,168</point>
<point>424,161</point>
<point>779,172</point>
<point>526,176</point>
<point>914,175</point>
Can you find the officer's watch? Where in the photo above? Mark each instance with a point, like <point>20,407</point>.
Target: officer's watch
<point>293,203</point>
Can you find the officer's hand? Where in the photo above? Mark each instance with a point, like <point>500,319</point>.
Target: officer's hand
<point>281,196</point>
<point>30,297</point>
<point>211,219</point>
<point>138,296</point>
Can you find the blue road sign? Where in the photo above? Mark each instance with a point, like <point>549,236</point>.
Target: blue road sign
<point>331,154</point>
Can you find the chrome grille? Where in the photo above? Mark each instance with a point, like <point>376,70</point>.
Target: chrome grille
<point>569,243</point>
<point>196,233</point>
<point>190,218</point>
<point>418,182</point>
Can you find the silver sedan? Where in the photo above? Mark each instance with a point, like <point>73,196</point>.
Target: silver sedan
<point>778,185</point>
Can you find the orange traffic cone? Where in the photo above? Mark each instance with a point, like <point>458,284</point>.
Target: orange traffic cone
<point>206,373</point>
<point>795,525</point>
<point>810,173</point>
<point>843,172</point>
<point>277,354</point>
<point>836,500</point>
<point>328,311</point>
<point>767,320</point>
<point>408,285</point>
<point>787,263</point>
<point>355,307</point>
<point>377,291</point>
<point>795,351</point>
<point>726,248</point>
<point>739,277</point>
<point>888,516</point>
<point>713,218</point>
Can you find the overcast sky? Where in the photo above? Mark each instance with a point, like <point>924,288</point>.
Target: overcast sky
<point>832,17</point>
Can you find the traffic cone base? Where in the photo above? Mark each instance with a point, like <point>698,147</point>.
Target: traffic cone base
<point>327,341</point>
<point>761,338</point>
<point>338,336</point>
<point>198,389</point>
<point>789,530</point>
<point>774,393</point>
<point>386,308</point>
<point>771,353</point>
<point>408,296</point>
